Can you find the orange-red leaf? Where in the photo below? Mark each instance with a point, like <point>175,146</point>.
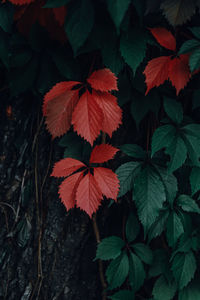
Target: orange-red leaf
<point>112,113</point>
<point>60,14</point>
<point>66,167</point>
<point>67,189</point>
<point>88,195</point>
<point>21,2</point>
<point>164,37</point>
<point>102,153</point>
<point>156,72</point>
<point>87,117</point>
<point>103,80</point>
<point>179,72</point>
<point>59,90</point>
<point>107,181</point>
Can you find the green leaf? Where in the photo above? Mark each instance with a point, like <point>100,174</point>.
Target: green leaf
<point>133,47</point>
<point>195,180</point>
<point>162,137</point>
<point>132,228</point>
<point>112,58</point>
<point>174,228</point>
<point>117,10</point>
<point>178,153</point>
<point>133,150</point>
<point>117,271</point>
<point>195,31</point>
<point>149,196</point>
<point>158,226</point>
<point>55,3</point>
<point>163,289</point>
<point>110,248</point>
<point>174,110</point>
<point>188,204</point>
<point>177,12</point>
<point>143,252</point>
<point>191,292</point>
<point>160,263</point>
<point>193,147</point>
<point>189,46</point>
<point>122,295</point>
<point>136,272</point>
<point>126,173</point>
<point>192,129</point>
<point>194,60</point>
<point>183,268</point>
<point>6,16</point>
<point>79,23</point>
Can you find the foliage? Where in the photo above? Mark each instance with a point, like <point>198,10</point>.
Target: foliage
<point>91,61</point>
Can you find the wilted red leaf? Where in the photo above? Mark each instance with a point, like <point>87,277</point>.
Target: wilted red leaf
<point>67,189</point>
<point>88,195</point>
<point>66,167</point>
<point>164,37</point>
<point>179,72</point>
<point>112,113</point>
<point>107,181</point>
<point>102,153</point>
<point>60,14</point>
<point>103,80</point>
<point>156,72</point>
<point>87,117</point>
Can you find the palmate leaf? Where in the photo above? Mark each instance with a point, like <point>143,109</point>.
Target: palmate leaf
<point>178,12</point>
<point>143,252</point>
<point>102,153</point>
<point>163,289</point>
<point>174,228</point>
<point>110,248</point>
<point>183,268</point>
<point>66,167</point>
<point>148,195</point>
<point>162,137</point>
<point>133,47</point>
<point>164,37</point>
<point>117,271</point>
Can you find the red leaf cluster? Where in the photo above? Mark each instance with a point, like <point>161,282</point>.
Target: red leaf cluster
<point>174,68</point>
<point>94,111</point>
<point>85,188</point>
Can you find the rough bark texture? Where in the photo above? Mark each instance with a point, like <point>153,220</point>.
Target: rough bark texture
<point>45,252</point>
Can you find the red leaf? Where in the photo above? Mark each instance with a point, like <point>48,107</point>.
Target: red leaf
<point>88,195</point>
<point>66,167</point>
<point>60,14</point>
<point>156,72</point>
<point>21,2</point>
<point>179,72</point>
<point>57,91</point>
<point>112,113</point>
<point>164,37</point>
<point>67,189</point>
<point>102,153</point>
<point>107,181</point>
<point>103,80</point>
<point>87,117</point>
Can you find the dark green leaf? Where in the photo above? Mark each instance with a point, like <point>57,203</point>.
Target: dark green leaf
<point>133,150</point>
<point>79,23</point>
<point>125,174</point>
<point>122,295</point>
<point>162,137</point>
<point>174,110</point>
<point>133,47</point>
<point>110,248</point>
<point>194,60</point>
<point>136,272</point>
<point>149,196</point>
<point>6,16</point>
<point>195,31</point>
<point>117,271</point>
<point>189,46</point>
<point>195,180</point>
<point>163,289</point>
<point>193,148</point>
<point>55,3</point>
<point>196,99</point>
<point>159,225</point>
<point>192,129</point>
<point>132,228</point>
<point>160,263</point>
<point>117,10</point>
<point>183,268</point>
<point>143,252</point>
<point>191,292</point>
<point>174,228</point>
<point>188,204</point>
